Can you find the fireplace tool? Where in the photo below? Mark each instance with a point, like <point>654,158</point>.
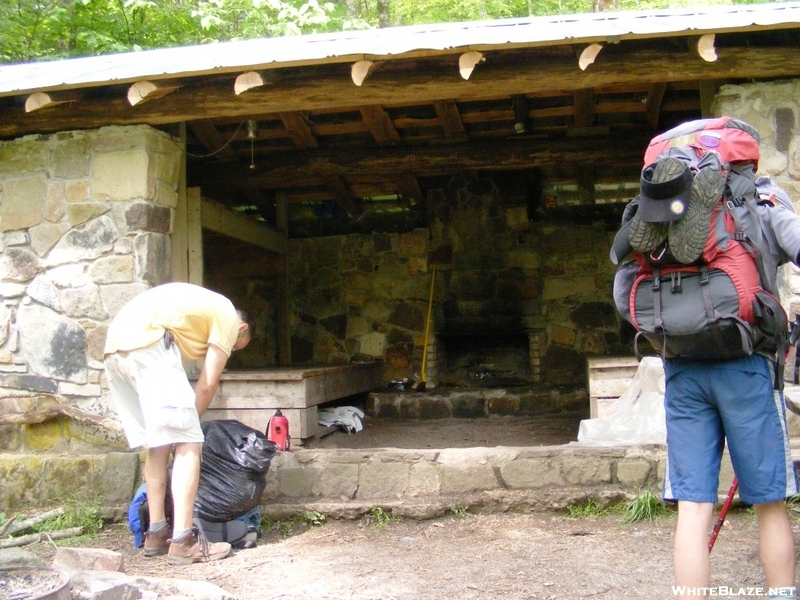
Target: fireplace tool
<point>422,376</point>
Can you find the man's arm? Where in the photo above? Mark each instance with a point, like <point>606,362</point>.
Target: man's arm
<point>206,385</point>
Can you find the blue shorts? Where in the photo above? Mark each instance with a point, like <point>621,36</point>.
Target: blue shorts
<point>709,402</point>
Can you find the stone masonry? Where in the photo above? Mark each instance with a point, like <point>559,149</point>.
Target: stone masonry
<point>85,219</point>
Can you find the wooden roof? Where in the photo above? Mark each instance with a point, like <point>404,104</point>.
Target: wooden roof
<point>390,115</point>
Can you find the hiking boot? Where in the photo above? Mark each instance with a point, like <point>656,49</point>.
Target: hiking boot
<point>687,237</point>
<point>156,544</point>
<point>195,548</point>
<point>646,237</point>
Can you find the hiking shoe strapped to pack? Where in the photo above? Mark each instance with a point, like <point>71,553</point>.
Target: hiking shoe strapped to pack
<point>195,548</point>
<point>156,544</point>
<point>687,237</point>
<point>646,237</point>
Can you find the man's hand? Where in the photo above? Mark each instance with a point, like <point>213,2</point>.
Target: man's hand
<point>206,385</point>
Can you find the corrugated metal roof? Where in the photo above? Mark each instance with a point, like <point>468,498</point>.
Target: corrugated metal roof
<point>388,43</point>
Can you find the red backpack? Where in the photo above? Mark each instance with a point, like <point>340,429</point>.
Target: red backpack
<point>700,286</point>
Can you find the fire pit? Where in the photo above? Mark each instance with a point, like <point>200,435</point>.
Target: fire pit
<point>34,584</point>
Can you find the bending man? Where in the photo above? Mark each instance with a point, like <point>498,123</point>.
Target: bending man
<point>147,343</point>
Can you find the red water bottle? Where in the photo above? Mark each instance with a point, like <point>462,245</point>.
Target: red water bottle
<point>278,430</point>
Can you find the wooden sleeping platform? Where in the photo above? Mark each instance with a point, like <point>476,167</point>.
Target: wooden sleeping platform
<point>253,396</point>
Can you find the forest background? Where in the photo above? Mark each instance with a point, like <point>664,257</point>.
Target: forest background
<point>32,30</point>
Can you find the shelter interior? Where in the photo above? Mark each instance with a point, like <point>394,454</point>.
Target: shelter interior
<point>510,180</point>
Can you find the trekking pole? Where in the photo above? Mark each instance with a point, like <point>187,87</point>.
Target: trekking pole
<point>722,512</point>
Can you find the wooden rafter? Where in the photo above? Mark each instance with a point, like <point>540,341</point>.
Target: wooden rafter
<point>39,100</point>
<point>450,119</point>
<point>408,187</point>
<point>213,142</point>
<point>432,160</point>
<point>708,90</point>
<point>144,91</point>
<point>379,124</point>
<point>655,96</point>
<point>522,119</point>
<point>298,128</point>
<point>341,192</point>
<point>584,108</point>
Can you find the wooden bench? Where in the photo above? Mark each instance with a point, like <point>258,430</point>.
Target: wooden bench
<point>253,396</point>
<point>608,378</point>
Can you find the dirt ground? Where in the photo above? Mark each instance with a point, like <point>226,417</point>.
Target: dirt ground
<point>501,556</point>
<point>461,557</point>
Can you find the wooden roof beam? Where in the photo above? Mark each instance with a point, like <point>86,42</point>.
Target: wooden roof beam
<point>207,133</point>
<point>432,160</point>
<point>522,121</point>
<point>363,69</point>
<point>312,90</point>
<point>297,126</point>
<point>468,61</point>
<point>379,124</point>
<point>254,79</point>
<point>655,97</point>
<point>341,192</point>
<point>408,188</point>
<point>39,100</point>
<point>144,91</point>
<point>450,119</point>
<point>220,219</point>
<point>584,108</point>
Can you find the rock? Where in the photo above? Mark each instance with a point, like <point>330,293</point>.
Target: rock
<point>109,585</point>
<point>72,560</point>
<point>14,558</point>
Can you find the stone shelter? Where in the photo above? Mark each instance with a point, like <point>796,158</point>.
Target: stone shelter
<point>318,180</point>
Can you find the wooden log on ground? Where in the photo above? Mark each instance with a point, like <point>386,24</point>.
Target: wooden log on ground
<point>33,538</point>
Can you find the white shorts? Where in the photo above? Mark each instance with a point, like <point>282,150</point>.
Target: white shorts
<point>153,396</point>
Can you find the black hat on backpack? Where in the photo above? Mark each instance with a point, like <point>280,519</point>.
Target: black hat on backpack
<point>667,200</point>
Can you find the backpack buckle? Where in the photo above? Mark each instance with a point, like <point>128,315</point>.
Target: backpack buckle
<point>703,276</point>
<point>675,283</point>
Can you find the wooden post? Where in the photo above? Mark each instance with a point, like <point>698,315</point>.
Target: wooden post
<point>284,335</point>
<point>179,267</point>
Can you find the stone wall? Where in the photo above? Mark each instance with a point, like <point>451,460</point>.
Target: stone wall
<point>85,219</point>
<point>497,272</point>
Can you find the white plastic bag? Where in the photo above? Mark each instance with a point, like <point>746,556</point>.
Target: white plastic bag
<point>636,417</point>
<point>348,417</point>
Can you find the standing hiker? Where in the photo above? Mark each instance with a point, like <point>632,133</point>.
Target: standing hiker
<point>707,240</point>
<point>147,343</point>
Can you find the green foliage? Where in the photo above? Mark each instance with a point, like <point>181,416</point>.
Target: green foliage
<point>266,525</point>
<point>378,518</point>
<point>35,29</point>
<point>793,507</point>
<point>459,510</point>
<point>591,509</point>
<point>310,518</point>
<point>77,513</point>
<point>645,507</point>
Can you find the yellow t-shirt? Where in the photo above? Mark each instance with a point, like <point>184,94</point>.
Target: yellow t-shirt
<point>196,317</point>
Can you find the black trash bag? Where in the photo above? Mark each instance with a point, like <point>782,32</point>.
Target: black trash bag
<point>233,470</point>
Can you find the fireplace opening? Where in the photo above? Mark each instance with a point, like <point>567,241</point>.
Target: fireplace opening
<point>484,360</point>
